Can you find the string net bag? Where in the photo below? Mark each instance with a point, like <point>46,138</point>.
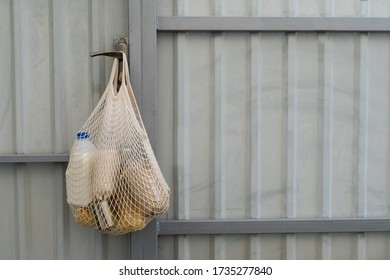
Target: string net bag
<point>113,180</point>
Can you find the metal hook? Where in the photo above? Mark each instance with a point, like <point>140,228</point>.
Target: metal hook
<point>120,47</point>
<point>116,54</point>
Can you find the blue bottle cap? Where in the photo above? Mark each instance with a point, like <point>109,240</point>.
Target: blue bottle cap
<point>82,135</point>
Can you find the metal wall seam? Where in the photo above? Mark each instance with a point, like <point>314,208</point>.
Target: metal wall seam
<point>143,49</point>
<point>135,65</point>
<point>326,50</point>
<point>18,34</point>
<point>149,94</point>
<point>387,192</point>
<point>58,85</point>
<point>256,64</point>
<point>183,186</point>
<point>96,43</point>
<point>7,78</point>
<point>292,130</point>
<point>273,226</point>
<point>363,76</point>
<point>219,130</point>
<point>273,24</point>
<point>182,250</point>
<point>135,49</point>
<point>20,55</point>
<point>34,158</point>
<point>9,243</point>
<point>59,209</point>
<point>58,123</point>
<point>100,240</point>
<point>327,176</point>
<point>149,69</point>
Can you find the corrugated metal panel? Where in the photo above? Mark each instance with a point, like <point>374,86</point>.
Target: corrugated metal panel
<point>48,86</point>
<point>250,125</point>
<point>275,125</point>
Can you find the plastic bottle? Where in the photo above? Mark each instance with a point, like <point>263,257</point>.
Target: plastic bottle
<point>78,173</point>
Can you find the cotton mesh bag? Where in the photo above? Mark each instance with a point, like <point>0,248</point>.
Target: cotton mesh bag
<point>113,180</point>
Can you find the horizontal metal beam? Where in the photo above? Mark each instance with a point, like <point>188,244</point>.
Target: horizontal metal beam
<point>283,24</point>
<point>181,227</point>
<point>37,158</point>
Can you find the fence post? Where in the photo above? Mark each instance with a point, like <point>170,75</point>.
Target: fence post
<point>143,74</point>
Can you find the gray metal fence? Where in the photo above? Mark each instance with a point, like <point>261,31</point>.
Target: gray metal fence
<point>269,119</point>
<point>48,87</point>
<point>280,150</point>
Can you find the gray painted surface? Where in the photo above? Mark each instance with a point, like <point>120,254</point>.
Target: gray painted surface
<point>248,126</point>
<point>274,125</point>
<point>48,87</point>
<point>275,24</point>
<point>272,226</point>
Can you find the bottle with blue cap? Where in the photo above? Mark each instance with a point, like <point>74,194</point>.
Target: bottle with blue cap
<point>78,173</point>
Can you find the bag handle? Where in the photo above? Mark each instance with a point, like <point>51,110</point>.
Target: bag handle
<point>113,81</point>
<point>127,84</point>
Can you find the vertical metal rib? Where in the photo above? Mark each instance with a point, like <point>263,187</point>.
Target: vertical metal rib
<point>182,133</point>
<point>256,86</point>
<point>327,141</point>
<point>19,34</point>
<point>219,130</point>
<point>58,124</point>
<point>292,114</point>
<point>327,172</point>
<point>387,184</point>
<point>13,94</point>
<point>100,239</point>
<point>362,82</point>
<point>183,136</point>
<point>135,57</point>
<point>183,95</point>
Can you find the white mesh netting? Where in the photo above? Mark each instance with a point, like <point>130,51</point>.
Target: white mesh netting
<point>113,180</point>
